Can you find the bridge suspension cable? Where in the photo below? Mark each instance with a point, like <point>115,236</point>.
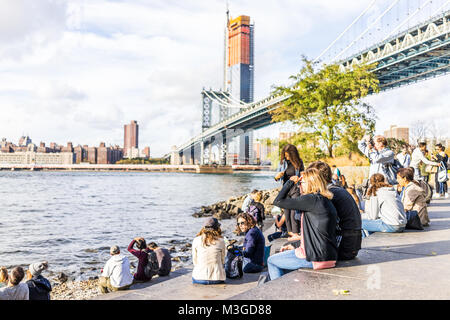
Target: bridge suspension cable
<point>346,29</point>
<point>407,19</point>
<point>367,29</point>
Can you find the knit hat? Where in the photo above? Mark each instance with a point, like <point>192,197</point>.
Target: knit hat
<point>36,268</point>
<point>114,250</point>
<point>212,223</point>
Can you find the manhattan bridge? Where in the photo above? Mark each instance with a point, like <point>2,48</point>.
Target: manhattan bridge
<point>407,43</point>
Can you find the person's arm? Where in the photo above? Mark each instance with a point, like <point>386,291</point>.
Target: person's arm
<point>372,208</point>
<point>194,252</point>
<point>223,252</point>
<point>302,203</point>
<point>382,157</point>
<point>250,248</point>
<point>134,252</point>
<point>279,223</point>
<point>409,198</point>
<point>107,270</point>
<point>363,147</point>
<point>425,160</point>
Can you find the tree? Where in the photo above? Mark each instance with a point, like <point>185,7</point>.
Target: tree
<point>327,103</point>
<point>418,132</point>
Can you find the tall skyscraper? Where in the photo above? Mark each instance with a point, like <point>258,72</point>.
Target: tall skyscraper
<point>239,52</point>
<point>131,137</point>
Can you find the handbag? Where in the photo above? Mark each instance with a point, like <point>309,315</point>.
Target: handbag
<point>442,173</point>
<point>413,220</point>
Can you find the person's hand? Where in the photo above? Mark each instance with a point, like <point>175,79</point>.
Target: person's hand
<point>279,175</point>
<point>295,179</point>
<point>366,138</point>
<point>287,248</point>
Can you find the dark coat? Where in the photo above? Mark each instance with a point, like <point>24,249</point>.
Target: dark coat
<point>39,288</point>
<point>319,223</point>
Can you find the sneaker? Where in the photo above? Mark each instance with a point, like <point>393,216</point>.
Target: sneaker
<point>436,196</point>
<point>446,195</point>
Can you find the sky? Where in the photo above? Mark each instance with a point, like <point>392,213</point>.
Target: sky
<point>78,70</point>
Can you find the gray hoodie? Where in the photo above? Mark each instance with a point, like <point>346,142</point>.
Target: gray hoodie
<point>117,269</point>
<point>377,158</point>
<point>387,206</point>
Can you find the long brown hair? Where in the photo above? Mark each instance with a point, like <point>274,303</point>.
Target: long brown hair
<point>316,183</point>
<point>377,181</point>
<point>295,159</point>
<point>210,235</point>
<point>3,274</point>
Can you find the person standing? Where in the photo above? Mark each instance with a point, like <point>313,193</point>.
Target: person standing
<point>403,157</point>
<point>290,165</point>
<point>442,158</point>
<point>15,290</point>
<point>39,287</point>
<point>417,158</point>
<point>116,274</point>
<point>378,153</point>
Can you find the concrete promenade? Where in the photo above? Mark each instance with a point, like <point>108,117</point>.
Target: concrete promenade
<point>409,265</point>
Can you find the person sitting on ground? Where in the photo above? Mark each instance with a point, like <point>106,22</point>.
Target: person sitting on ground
<point>142,254</point>
<point>291,165</point>
<point>247,200</point>
<point>164,259</point>
<point>384,210</point>
<point>335,180</point>
<point>116,274</point>
<point>15,290</point>
<point>377,152</point>
<point>39,287</point>
<point>208,254</point>
<point>254,243</point>
<point>318,244</point>
<point>413,195</point>
<point>343,182</point>
<point>336,171</point>
<point>3,277</point>
<point>280,228</point>
<point>352,191</point>
<point>349,216</point>
<point>256,209</point>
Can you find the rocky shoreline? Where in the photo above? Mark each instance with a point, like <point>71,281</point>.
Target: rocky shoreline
<point>232,207</point>
<point>67,289</point>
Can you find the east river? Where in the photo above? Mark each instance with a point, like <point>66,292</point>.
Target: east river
<point>71,219</point>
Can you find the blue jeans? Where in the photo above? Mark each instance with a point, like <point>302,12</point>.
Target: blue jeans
<point>250,267</point>
<point>285,262</point>
<point>378,226</point>
<point>207,281</point>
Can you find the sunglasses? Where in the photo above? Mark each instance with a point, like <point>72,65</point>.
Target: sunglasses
<point>241,223</point>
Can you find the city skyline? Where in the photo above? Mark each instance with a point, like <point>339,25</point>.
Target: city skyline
<point>77,70</point>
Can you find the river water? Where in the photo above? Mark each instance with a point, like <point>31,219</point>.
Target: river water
<point>71,219</point>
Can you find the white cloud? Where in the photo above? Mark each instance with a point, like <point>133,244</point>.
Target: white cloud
<point>79,70</point>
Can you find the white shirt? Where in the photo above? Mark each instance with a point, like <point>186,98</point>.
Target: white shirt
<point>404,159</point>
<point>208,260</point>
<point>117,269</point>
<point>417,157</point>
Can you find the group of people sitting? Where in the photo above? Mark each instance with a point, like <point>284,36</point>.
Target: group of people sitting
<point>36,286</point>
<point>152,260</point>
<point>116,275</point>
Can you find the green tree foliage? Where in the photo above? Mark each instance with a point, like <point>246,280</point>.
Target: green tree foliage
<point>143,161</point>
<point>396,145</point>
<point>326,104</point>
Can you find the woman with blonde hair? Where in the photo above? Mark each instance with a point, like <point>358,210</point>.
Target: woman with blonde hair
<point>318,245</point>
<point>3,277</point>
<point>384,211</point>
<point>208,254</point>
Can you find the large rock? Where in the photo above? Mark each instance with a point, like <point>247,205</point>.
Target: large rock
<point>221,214</point>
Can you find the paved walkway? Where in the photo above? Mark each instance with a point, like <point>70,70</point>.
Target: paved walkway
<point>409,265</point>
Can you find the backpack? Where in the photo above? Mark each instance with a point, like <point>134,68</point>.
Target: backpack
<point>152,266</point>
<point>254,211</point>
<point>428,190</point>
<point>442,173</point>
<point>390,171</point>
<point>233,263</point>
